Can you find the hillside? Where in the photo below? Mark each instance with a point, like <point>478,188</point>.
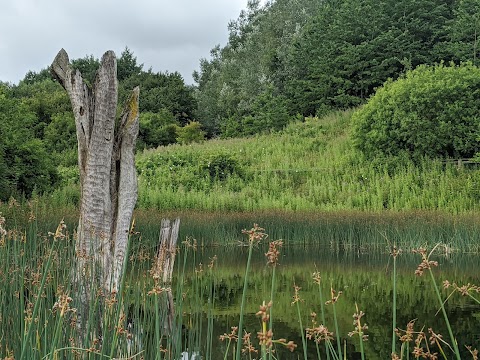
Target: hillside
<point>310,165</point>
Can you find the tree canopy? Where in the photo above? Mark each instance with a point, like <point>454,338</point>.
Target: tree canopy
<point>310,57</point>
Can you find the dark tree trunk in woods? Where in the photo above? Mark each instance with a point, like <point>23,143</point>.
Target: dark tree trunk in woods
<point>108,177</point>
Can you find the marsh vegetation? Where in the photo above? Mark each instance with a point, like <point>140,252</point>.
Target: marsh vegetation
<point>325,264</point>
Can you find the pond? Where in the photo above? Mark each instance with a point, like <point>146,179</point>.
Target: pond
<point>363,278</point>
<point>350,253</point>
<point>352,256</point>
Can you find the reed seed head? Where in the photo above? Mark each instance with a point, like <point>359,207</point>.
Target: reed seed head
<point>319,333</point>
<point>63,304</point>
<point>473,352</point>
<point>212,262</point>
<point>199,270</point>
<point>464,290</point>
<point>111,300</point>
<point>3,232</point>
<point>359,328</point>
<point>255,234</point>
<point>434,337</point>
<point>296,296</point>
<point>334,296</point>
<point>265,338</point>
<point>263,311</point>
<point>316,277</point>
<point>232,336</point>
<point>426,262</point>
<point>247,344</point>
<point>190,243</point>
<point>273,252</point>
<point>395,251</point>
<point>406,335</point>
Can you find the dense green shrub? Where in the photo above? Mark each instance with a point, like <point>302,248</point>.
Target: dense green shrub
<point>222,165</point>
<point>157,129</point>
<point>431,111</point>
<point>25,163</point>
<point>190,133</point>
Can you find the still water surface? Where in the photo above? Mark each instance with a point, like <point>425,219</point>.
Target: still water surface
<point>364,277</point>
<point>351,252</point>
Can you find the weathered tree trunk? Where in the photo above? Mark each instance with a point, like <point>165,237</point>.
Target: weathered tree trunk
<point>108,178</point>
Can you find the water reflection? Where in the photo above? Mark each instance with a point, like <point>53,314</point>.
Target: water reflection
<point>364,277</point>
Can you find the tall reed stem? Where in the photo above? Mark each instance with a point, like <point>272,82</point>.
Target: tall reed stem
<point>304,342</point>
<point>394,300</point>
<point>120,299</point>
<point>157,330</point>
<point>450,332</point>
<point>339,345</point>
<point>38,300</point>
<point>272,292</point>
<point>244,297</point>
<point>317,279</point>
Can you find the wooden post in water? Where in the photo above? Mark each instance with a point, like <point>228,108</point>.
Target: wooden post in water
<point>163,267</point>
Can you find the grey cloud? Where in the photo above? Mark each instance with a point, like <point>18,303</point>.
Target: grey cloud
<point>165,35</point>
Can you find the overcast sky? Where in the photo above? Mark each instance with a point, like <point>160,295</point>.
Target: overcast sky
<point>166,35</point>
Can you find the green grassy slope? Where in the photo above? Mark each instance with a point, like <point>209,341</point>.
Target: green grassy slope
<point>310,165</point>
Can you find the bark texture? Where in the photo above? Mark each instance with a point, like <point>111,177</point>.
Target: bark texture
<point>107,171</point>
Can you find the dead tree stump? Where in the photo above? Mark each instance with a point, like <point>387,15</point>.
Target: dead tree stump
<point>108,179</point>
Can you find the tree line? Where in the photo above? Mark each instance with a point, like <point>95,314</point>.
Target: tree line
<point>283,61</point>
<point>307,57</point>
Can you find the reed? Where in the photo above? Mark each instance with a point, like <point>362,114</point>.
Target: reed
<point>317,278</point>
<point>37,301</point>
<point>255,235</point>
<point>427,264</point>
<point>296,302</point>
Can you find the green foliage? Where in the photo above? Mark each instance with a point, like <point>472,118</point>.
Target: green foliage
<point>314,57</point>
<point>33,77</point>
<point>26,164</point>
<point>45,98</point>
<point>349,48</point>
<point>190,133</point>
<point>38,128</point>
<point>252,65</point>
<point>463,39</point>
<point>127,65</point>
<point>159,92</point>
<point>87,66</point>
<point>268,113</point>
<point>432,112</point>
<point>61,140</point>
<point>311,165</point>
<point>157,129</point>
<point>32,168</point>
<point>222,165</point>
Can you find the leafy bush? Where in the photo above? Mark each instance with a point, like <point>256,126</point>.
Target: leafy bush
<point>157,129</point>
<point>222,165</point>
<point>192,132</point>
<point>25,163</point>
<point>431,111</point>
<point>268,112</point>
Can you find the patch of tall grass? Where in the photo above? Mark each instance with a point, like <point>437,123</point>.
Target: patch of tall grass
<point>310,165</point>
<point>341,231</point>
